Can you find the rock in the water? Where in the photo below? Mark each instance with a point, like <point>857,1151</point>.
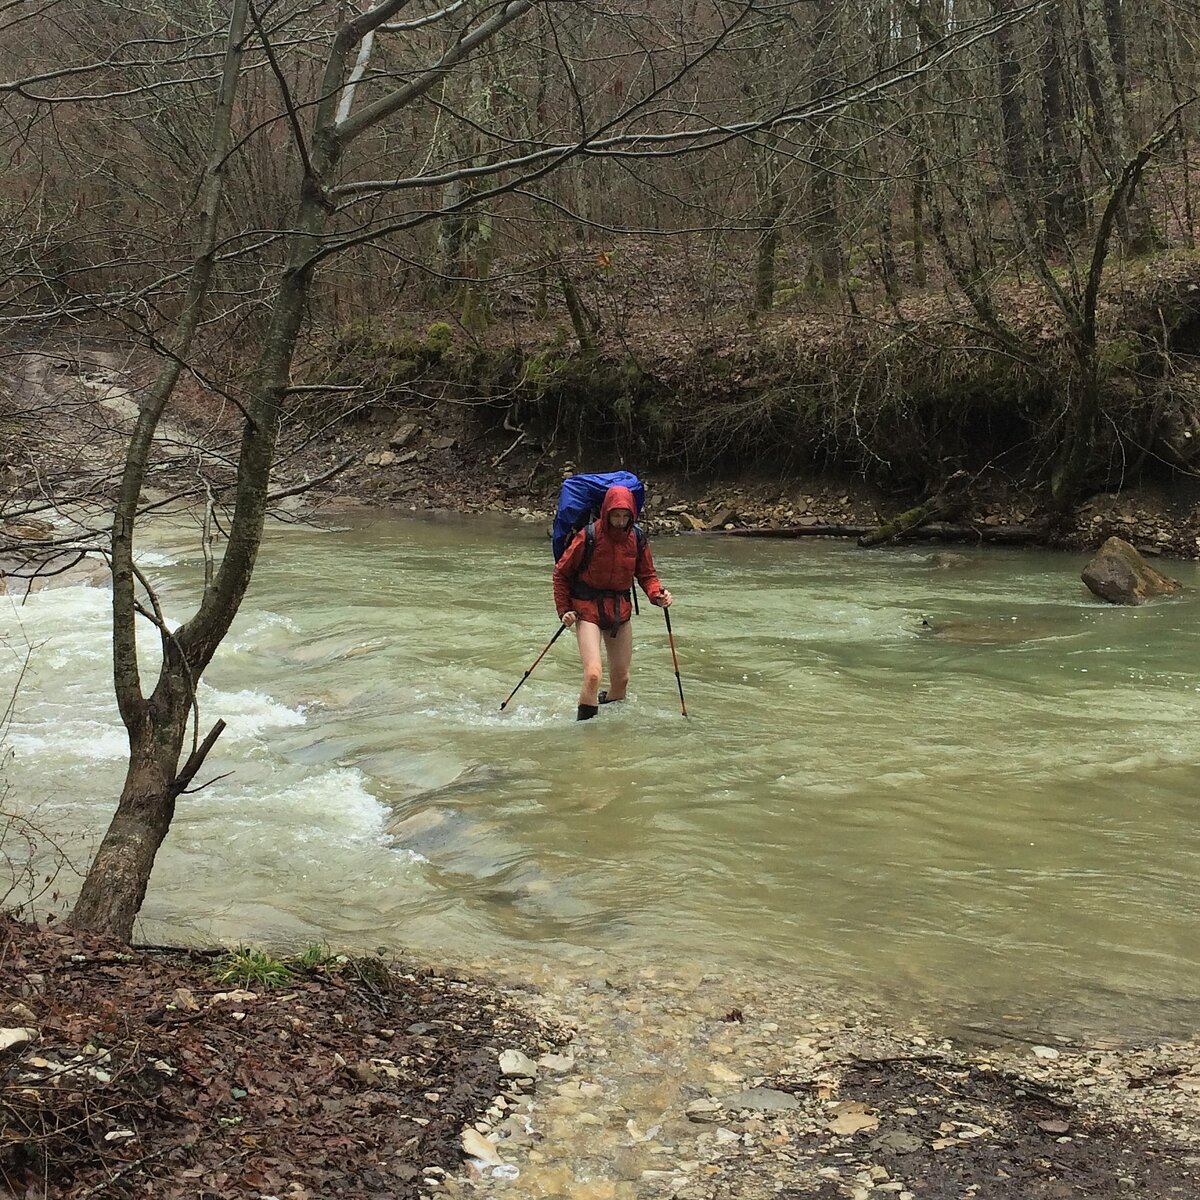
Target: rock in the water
<point>941,561</point>
<point>27,529</point>
<point>1120,575</point>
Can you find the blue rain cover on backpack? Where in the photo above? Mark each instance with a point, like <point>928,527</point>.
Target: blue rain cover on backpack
<point>580,499</point>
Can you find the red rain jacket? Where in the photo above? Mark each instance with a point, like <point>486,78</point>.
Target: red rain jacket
<point>616,562</point>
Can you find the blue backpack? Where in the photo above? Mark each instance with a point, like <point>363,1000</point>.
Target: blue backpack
<point>579,504</point>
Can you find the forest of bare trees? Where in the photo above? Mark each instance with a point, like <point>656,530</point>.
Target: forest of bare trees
<point>879,232</point>
<point>785,151</point>
<point>809,158</point>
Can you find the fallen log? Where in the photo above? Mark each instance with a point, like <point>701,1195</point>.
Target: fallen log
<point>907,523</point>
<point>934,531</point>
<point>947,503</point>
<point>1010,535</point>
<point>792,531</point>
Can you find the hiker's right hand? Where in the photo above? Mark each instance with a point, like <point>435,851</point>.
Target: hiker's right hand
<point>569,619</point>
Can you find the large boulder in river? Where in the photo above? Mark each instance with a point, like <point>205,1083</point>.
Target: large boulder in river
<point>1120,575</point>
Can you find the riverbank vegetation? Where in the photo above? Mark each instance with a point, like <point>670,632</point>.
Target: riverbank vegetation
<point>903,398</point>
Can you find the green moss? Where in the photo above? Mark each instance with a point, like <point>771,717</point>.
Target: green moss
<point>1117,356</point>
<point>439,337</point>
<point>863,255</point>
<point>539,371</point>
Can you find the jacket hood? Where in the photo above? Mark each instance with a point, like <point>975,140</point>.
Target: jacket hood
<point>614,498</point>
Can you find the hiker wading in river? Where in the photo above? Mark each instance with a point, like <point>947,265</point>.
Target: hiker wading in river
<point>593,582</point>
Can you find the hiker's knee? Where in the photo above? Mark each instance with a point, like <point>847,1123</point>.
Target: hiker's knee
<point>591,675</point>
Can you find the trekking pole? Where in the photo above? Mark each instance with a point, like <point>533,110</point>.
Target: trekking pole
<point>535,663</point>
<point>675,659</point>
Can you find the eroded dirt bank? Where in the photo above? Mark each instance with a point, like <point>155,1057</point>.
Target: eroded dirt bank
<point>68,415</point>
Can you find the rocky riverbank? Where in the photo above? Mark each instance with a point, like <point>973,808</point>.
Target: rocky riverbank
<point>442,459</point>
<point>427,467</point>
<point>161,1073</point>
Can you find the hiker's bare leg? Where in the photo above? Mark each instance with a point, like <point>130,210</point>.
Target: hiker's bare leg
<point>587,636</point>
<point>620,652</point>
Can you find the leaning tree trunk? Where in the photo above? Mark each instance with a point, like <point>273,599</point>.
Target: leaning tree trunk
<point>946,503</point>
<point>116,884</point>
<point>117,879</point>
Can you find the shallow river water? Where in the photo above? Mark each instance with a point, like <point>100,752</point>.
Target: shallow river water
<point>994,813</point>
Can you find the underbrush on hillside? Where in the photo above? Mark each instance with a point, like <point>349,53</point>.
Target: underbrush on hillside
<point>904,395</point>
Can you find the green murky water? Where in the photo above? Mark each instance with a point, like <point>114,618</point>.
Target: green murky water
<point>999,817</point>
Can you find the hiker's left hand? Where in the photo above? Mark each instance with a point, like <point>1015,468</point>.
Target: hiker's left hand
<point>663,599</point>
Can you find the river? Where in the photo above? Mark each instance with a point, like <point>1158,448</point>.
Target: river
<point>991,814</point>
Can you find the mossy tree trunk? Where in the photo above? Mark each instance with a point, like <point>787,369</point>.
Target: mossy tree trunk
<point>945,504</point>
<point>770,232</point>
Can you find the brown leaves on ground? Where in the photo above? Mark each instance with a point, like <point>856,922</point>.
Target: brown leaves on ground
<point>941,1130</point>
<point>354,1080</point>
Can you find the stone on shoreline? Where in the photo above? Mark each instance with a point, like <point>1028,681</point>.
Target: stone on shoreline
<point>404,436</point>
<point>514,1064</point>
<point>761,1099</point>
